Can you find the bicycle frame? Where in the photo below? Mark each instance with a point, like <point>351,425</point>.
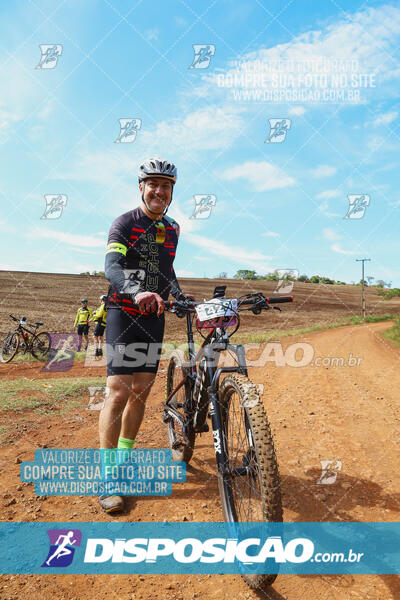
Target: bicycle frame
<point>213,344</point>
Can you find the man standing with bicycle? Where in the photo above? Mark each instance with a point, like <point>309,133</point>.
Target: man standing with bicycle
<point>139,266</point>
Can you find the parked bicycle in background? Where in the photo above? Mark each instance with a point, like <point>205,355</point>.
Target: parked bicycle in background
<point>26,341</point>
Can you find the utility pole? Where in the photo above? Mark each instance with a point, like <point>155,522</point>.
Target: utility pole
<point>363,260</point>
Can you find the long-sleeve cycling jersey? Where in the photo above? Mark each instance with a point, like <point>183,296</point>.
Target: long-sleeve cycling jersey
<point>100,315</point>
<point>139,257</point>
<point>83,316</point>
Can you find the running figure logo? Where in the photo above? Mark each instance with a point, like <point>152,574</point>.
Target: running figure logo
<point>203,204</point>
<point>286,280</point>
<point>329,471</point>
<point>50,55</point>
<point>202,56</point>
<point>63,543</point>
<point>134,279</point>
<point>128,130</point>
<point>62,352</point>
<point>55,204</point>
<point>357,206</point>
<point>98,396</point>
<point>278,129</point>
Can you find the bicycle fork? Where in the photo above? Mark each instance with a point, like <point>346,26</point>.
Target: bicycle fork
<point>224,474</point>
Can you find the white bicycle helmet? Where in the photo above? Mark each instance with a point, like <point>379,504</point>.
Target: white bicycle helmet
<point>157,167</point>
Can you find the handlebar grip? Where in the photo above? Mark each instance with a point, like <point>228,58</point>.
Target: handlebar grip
<point>279,299</point>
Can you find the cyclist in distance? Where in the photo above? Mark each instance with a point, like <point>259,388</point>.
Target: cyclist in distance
<point>99,317</point>
<point>139,266</point>
<point>82,319</point>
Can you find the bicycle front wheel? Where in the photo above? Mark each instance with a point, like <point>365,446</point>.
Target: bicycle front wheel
<point>10,347</point>
<point>41,344</point>
<point>251,492</point>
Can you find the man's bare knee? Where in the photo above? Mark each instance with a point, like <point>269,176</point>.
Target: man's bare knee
<point>118,390</point>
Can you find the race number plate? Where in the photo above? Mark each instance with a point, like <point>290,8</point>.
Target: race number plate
<point>217,307</point>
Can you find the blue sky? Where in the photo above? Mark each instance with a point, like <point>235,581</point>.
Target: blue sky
<point>278,205</point>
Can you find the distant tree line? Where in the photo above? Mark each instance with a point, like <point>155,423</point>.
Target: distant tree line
<point>276,276</point>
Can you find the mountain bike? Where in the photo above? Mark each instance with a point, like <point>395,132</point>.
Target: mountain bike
<point>247,468</point>
<point>25,340</point>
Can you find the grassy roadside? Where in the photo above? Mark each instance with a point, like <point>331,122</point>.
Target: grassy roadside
<point>393,333</point>
<point>46,396</point>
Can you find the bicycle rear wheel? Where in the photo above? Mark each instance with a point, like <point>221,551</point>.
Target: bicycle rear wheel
<point>41,344</point>
<point>9,347</point>
<point>251,493</point>
<point>181,441</point>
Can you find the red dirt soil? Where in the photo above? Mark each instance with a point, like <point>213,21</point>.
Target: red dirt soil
<point>349,414</point>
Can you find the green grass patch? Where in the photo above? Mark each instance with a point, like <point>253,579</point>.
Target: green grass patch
<point>46,395</point>
<point>393,333</point>
<point>371,319</point>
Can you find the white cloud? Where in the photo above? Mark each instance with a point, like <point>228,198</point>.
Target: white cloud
<point>263,176</point>
<point>323,171</point>
<point>71,239</point>
<point>180,21</point>
<point>337,248</point>
<point>330,234</point>
<point>328,194</point>
<point>47,109</point>
<point>368,39</point>
<point>271,234</point>
<point>206,258</point>
<point>235,254</point>
<point>324,208</point>
<point>152,34</point>
<point>210,128</point>
<point>184,273</point>
<point>297,111</point>
<point>385,118</point>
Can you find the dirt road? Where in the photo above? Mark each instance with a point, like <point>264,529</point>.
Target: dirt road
<point>349,414</point>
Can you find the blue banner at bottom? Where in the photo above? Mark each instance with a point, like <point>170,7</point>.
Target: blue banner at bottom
<point>184,548</point>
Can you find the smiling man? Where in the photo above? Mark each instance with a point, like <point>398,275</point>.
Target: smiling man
<point>139,266</point>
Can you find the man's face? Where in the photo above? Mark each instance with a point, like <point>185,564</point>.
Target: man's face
<point>157,193</point>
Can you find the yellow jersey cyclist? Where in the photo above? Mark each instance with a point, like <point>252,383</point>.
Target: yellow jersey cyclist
<point>139,266</point>
<point>100,318</point>
<point>83,316</point>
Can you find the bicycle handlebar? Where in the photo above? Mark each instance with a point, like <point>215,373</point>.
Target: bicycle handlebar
<point>35,325</point>
<point>260,300</point>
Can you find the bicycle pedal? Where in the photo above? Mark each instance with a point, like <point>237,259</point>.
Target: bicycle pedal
<point>202,428</point>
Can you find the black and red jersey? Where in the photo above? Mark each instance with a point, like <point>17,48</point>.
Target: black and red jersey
<point>140,255</point>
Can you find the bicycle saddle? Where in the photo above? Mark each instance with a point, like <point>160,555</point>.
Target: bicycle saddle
<point>39,323</point>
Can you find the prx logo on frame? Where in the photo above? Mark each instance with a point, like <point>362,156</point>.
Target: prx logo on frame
<point>63,543</point>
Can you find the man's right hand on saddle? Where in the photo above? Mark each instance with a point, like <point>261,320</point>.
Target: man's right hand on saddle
<point>150,302</point>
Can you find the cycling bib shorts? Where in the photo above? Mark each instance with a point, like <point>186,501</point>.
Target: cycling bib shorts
<point>134,342</point>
